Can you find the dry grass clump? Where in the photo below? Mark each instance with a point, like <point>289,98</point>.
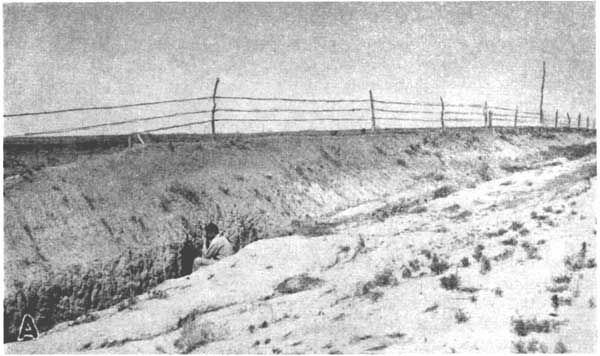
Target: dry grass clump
<point>560,348</point>
<point>465,262</point>
<point>461,317</point>
<point>451,282</point>
<point>298,283</point>
<point>531,251</point>
<point>193,336</point>
<point>438,265</point>
<point>443,191</point>
<point>486,265</point>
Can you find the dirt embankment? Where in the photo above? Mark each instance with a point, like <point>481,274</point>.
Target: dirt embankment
<point>92,233</point>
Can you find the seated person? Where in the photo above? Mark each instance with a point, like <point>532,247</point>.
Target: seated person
<point>217,247</point>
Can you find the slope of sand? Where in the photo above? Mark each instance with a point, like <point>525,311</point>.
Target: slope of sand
<point>350,291</point>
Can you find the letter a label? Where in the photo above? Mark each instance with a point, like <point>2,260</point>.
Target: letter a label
<point>28,330</point>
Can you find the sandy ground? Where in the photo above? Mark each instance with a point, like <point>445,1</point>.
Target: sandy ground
<point>351,291</point>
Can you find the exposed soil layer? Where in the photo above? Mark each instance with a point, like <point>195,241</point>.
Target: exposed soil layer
<point>103,228</point>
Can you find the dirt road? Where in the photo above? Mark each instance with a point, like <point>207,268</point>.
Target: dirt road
<point>507,265</point>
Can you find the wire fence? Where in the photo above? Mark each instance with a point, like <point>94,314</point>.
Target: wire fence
<point>241,112</point>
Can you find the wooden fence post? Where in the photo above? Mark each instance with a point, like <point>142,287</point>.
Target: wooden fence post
<point>556,119</point>
<point>542,93</point>
<point>516,115</point>
<point>372,111</point>
<point>587,123</point>
<point>485,114</point>
<point>214,109</point>
<point>490,118</point>
<point>442,115</point>
<point>579,121</point>
<point>568,120</point>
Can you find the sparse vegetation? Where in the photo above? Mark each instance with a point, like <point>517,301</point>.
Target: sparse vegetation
<point>498,292</point>
<point>533,346</point>
<point>531,251</point>
<point>524,327</point>
<point>158,294</point>
<point>128,303</point>
<point>384,278</point>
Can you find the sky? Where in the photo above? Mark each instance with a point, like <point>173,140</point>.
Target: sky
<point>72,55</point>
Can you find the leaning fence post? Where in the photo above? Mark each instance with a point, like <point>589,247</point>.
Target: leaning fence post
<point>372,111</point>
<point>490,118</point>
<point>442,114</point>
<point>579,121</point>
<point>568,120</point>
<point>214,109</point>
<point>556,119</point>
<point>542,93</point>
<point>516,115</point>
<point>485,114</point>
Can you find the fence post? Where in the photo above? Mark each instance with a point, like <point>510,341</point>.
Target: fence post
<point>214,109</point>
<point>556,119</point>
<point>442,115</point>
<point>542,93</point>
<point>490,118</point>
<point>372,111</point>
<point>587,123</point>
<point>485,114</point>
<point>516,115</point>
<point>579,121</point>
<point>568,120</point>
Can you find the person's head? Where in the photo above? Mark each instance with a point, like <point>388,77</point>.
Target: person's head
<point>211,230</point>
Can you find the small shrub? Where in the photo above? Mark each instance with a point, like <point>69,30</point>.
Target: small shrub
<point>401,162</point>
<point>516,226</point>
<point>298,283</point>
<point>443,192</point>
<point>460,316</point>
<point>415,264</point>
<point>438,266</point>
<point>591,303</point>
<point>484,171</point>
<point>478,252</point>
<point>426,253</point>
<point>465,262</point>
<point>532,251</point>
<point>510,242</point>
<point>185,192</point>
<point>193,336</point>
<point>524,232</point>
<point>451,282</point>
<point>498,292</point>
<point>560,348</point>
<point>506,254</point>
<point>385,278</point>
<point>406,273</point>
<point>486,265</point>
